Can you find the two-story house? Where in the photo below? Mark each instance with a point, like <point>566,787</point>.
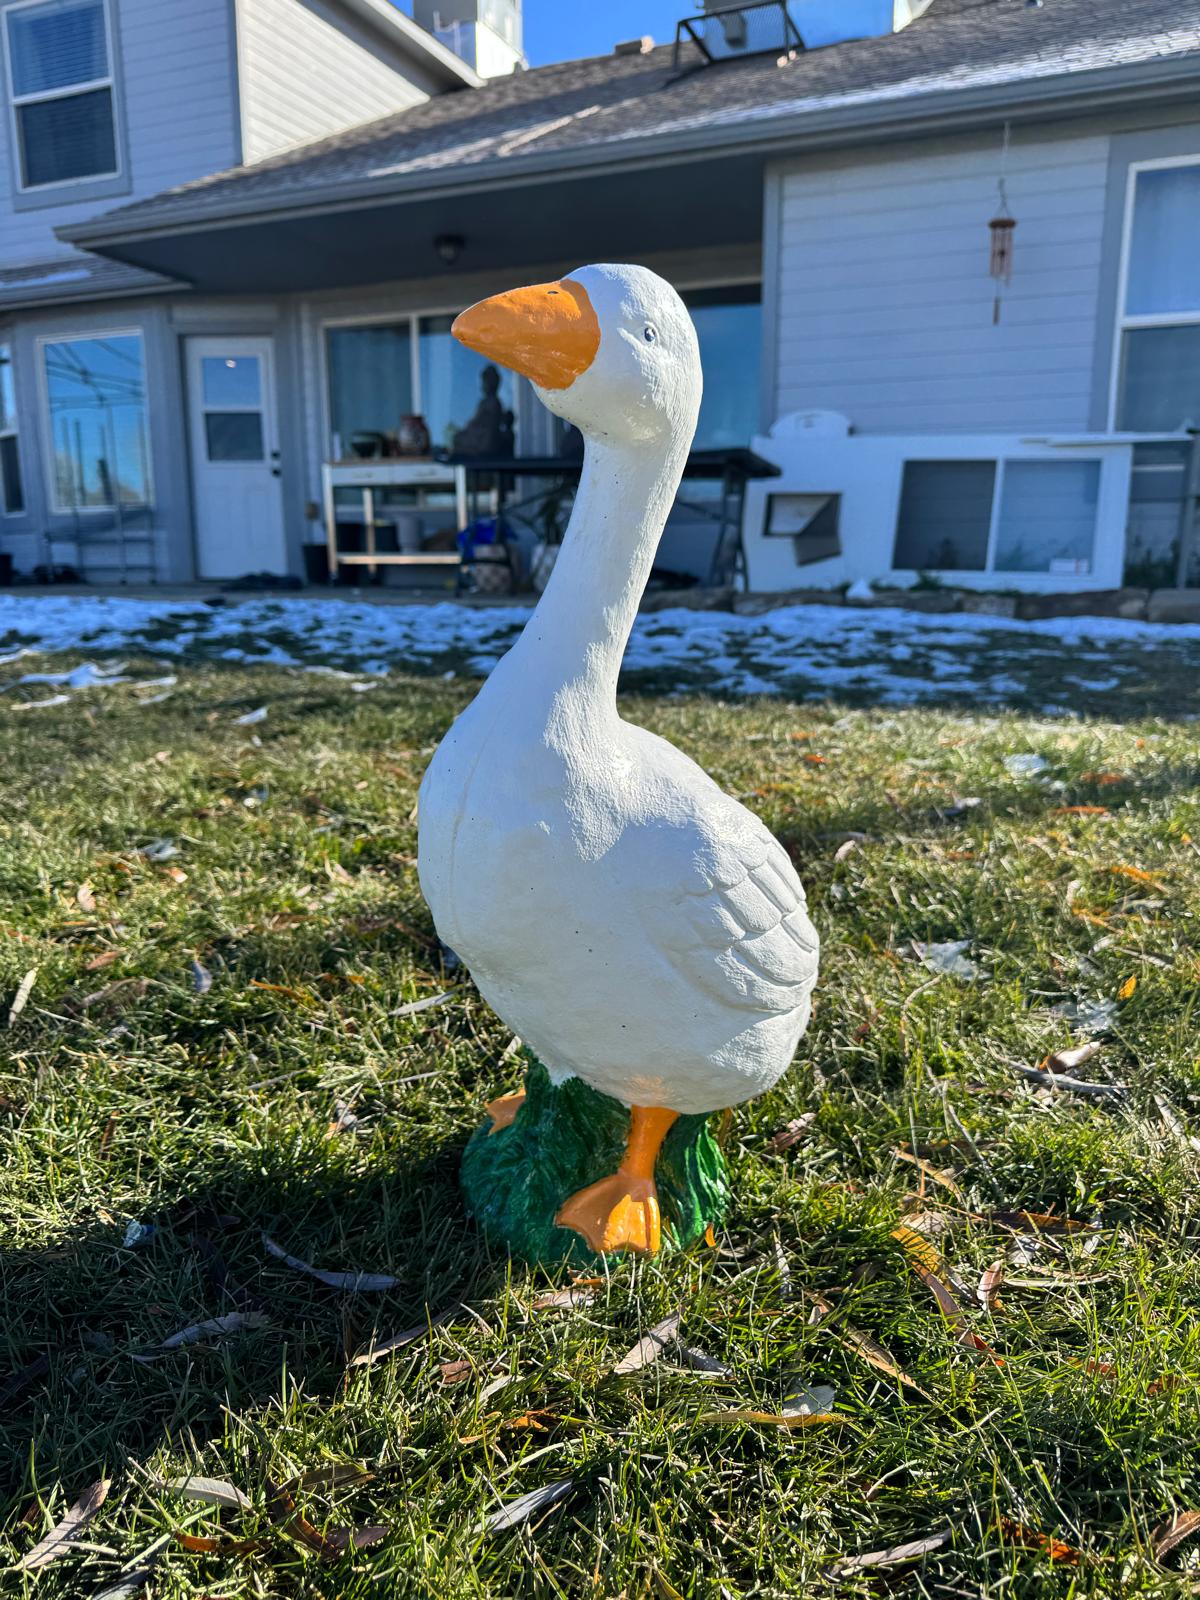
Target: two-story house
<point>943,257</point>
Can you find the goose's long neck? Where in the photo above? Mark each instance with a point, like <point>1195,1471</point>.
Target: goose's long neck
<point>577,635</point>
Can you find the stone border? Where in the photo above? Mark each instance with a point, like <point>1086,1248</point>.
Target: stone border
<point>1135,605</point>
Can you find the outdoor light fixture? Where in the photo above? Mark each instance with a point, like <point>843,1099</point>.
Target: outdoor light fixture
<point>449,246</point>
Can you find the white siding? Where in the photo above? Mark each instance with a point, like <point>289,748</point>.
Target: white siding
<point>176,86</point>
<point>308,69</point>
<point>884,303</point>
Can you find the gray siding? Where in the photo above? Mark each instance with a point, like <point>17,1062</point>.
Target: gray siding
<point>882,300</point>
<point>176,86</point>
<point>308,69</point>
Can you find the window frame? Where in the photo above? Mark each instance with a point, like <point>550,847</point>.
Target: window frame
<point>1126,322</point>
<point>1000,462</point>
<point>14,433</point>
<point>34,193</point>
<point>414,319</point>
<point>92,335</point>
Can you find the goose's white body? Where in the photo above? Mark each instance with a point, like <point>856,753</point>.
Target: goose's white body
<point>629,920</point>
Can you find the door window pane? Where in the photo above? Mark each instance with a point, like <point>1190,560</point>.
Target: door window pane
<point>56,45</point>
<point>231,381</point>
<point>233,435</point>
<point>945,516</point>
<point>67,137</point>
<point>97,396</point>
<point>1164,252</point>
<point>729,331</point>
<point>370,380</point>
<point>467,400</point>
<point>1047,519</point>
<point>1160,384</point>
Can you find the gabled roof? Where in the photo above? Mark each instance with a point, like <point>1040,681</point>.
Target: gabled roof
<point>621,108</point>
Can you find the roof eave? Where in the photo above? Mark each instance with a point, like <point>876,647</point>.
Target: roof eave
<point>1065,94</point>
<point>433,54</point>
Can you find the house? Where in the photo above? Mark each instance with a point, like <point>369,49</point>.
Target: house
<point>182,354</point>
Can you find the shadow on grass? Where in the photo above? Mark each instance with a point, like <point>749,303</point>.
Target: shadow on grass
<point>74,1402</point>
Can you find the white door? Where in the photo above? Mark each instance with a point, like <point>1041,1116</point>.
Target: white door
<point>235,457</point>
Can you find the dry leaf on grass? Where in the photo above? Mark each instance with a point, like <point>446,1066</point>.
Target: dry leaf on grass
<point>793,1133</point>
<point>344,1119</point>
<point>1128,987</point>
<point>1038,1222</point>
<point>17,1382</point>
<point>286,989</point>
<point>791,1420</point>
<point>24,990</point>
<point>988,1293</point>
<point>846,847</point>
<point>519,1511</point>
<point>894,1554</point>
<point>85,897</point>
<point>199,1544</point>
<point>413,1006</point>
<point>707,1365</point>
<point>1172,1532</point>
<point>214,1327</point>
<point>399,1341</point>
<point>650,1346</point>
<point>862,1344</point>
<point>1016,1533</point>
<point>211,1491</point>
<point>941,1175</point>
<point>1046,1079</point>
<point>104,959</point>
<point>352,1282</point>
<point>65,1532</point>
<point>564,1299</point>
<point>1068,1060</point>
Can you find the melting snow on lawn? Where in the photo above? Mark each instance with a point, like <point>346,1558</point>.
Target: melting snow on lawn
<point>805,651</point>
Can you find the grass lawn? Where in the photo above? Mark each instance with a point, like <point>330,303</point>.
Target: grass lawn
<point>171,1088</point>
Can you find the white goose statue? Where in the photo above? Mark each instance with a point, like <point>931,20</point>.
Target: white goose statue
<point>632,923</point>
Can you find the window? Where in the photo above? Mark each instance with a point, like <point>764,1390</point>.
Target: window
<point>1158,384</point>
<point>945,516</point>
<point>62,93</point>
<point>1027,516</point>
<point>381,372</point>
<point>12,496</point>
<point>729,329</point>
<point>96,392</point>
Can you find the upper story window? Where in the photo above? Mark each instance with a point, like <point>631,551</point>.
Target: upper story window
<point>1158,387</point>
<point>60,80</point>
<point>12,496</point>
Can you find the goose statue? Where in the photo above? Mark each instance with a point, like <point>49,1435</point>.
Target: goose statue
<point>633,924</point>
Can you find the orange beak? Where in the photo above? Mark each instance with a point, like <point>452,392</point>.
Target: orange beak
<point>548,333</point>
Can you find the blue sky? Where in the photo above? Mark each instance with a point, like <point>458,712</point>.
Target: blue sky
<point>557,30</point>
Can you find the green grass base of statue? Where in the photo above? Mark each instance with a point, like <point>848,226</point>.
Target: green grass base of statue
<point>563,1138</point>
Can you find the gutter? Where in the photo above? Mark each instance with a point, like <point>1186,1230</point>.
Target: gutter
<point>1072,94</point>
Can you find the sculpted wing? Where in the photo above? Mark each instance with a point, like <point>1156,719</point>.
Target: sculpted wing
<point>732,915</point>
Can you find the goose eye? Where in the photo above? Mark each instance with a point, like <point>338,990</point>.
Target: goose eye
<point>650,333</point>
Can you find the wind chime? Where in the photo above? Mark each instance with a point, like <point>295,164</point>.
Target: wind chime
<point>1002,228</point>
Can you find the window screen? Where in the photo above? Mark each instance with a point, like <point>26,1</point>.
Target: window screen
<point>945,515</point>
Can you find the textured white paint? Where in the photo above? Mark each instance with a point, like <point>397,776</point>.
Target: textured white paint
<point>885,302</point>
<point>308,69</point>
<point>629,920</point>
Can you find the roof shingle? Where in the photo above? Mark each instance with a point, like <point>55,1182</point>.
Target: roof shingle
<point>614,101</point>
